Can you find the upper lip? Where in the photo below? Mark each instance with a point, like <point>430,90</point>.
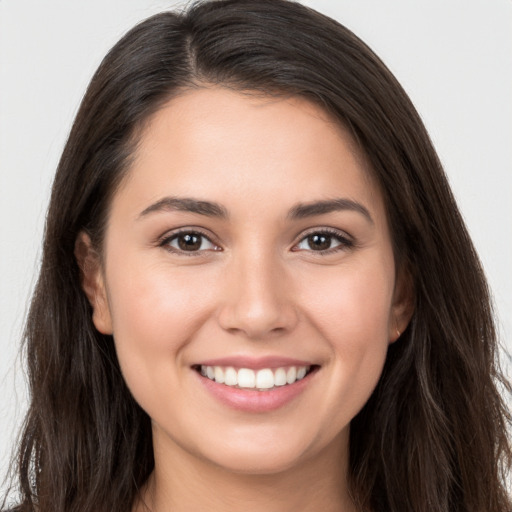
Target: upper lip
<point>255,363</point>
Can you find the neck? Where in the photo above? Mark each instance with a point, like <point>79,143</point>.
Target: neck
<point>190,483</point>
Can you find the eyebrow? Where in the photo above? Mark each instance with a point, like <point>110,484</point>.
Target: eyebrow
<point>186,204</point>
<point>211,209</point>
<point>304,210</point>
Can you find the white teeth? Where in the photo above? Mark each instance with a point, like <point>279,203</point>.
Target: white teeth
<point>301,373</point>
<point>246,378</point>
<point>219,374</point>
<point>263,379</point>
<point>291,375</point>
<point>280,377</point>
<point>230,377</point>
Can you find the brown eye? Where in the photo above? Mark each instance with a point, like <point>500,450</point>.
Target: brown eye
<point>189,242</point>
<point>319,242</point>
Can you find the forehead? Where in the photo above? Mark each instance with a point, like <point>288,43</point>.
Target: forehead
<point>209,141</point>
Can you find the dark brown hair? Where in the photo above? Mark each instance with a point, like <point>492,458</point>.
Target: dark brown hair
<point>432,437</point>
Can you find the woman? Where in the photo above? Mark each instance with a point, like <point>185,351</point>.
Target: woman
<point>257,292</point>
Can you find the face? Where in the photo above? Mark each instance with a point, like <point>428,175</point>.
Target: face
<point>248,279</point>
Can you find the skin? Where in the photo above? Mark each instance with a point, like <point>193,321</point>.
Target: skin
<point>255,287</point>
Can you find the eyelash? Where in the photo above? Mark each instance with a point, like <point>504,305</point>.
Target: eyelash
<point>166,241</point>
<point>344,242</point>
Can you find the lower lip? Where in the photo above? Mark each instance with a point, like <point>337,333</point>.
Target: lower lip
<point>251,400</point>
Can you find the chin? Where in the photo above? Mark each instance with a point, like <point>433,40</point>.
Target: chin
<point>259,463</point>
<point>262,453</point>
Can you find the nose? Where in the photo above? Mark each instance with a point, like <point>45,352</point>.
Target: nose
<point>258,298</point>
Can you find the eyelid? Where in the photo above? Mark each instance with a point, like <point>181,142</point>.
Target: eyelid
<point>346,240</point>
<point>164,240</point>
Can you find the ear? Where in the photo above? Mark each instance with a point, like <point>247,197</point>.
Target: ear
<point>403,305</point>
<point>93,282</point>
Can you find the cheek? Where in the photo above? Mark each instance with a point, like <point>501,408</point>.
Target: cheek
<point>155,303</point>
<point>351,304</point>
<point>155,313</point>
<point>351,309</point>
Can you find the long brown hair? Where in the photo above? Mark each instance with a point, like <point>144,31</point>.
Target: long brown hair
<point>432,437</point>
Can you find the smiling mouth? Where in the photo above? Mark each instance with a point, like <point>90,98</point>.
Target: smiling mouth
<point>264,379</point>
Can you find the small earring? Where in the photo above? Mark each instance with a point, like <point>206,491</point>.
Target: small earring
<point>399,333</point>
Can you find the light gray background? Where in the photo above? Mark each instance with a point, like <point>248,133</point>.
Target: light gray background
<point>454,58</point>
